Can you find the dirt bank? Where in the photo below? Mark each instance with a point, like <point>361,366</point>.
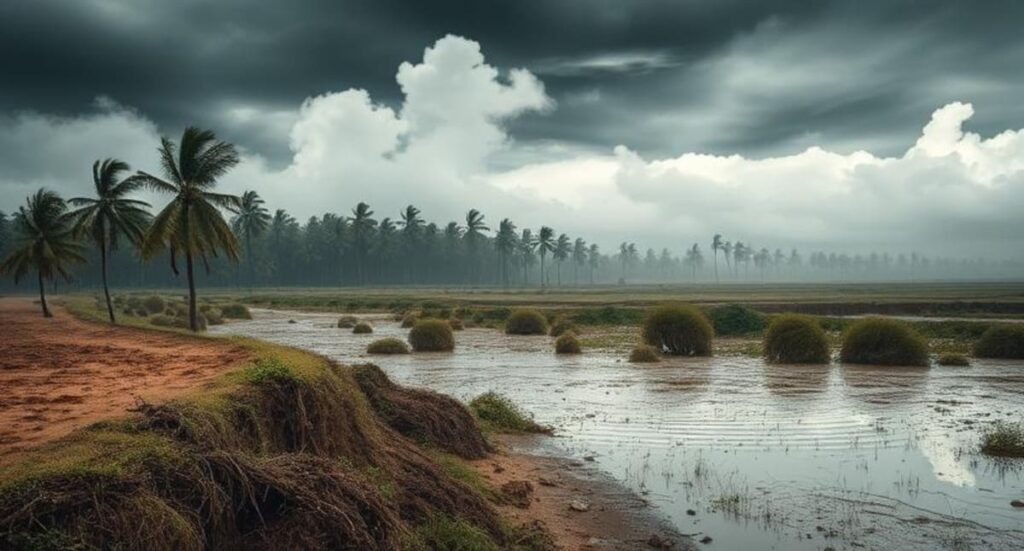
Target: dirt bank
<point>615,518</point>
<point>60,374</point>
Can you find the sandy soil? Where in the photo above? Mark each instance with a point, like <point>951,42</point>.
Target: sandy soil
<point>60,374</point>
<point>615,517</point>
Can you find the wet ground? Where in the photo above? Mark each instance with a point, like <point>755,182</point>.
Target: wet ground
<point>754,456</point>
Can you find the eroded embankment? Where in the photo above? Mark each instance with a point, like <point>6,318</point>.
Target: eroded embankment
<point>284,452</point>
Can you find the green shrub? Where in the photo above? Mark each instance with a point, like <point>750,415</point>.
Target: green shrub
<point>445,532</point>
<point>269,370</point>
<point>162,320</point>
<point>643,354</point>
<point>1004,440</point>
<point>134,303</point>
<point>567,343</point>
<point>389,345</point>
<point>347,322</point>
<point>154,304</point>
<point>526,322</point>
<point>958,360</point>
<point>236,311</point>
<point>561,325</point>
<point>1001,341</point>
<point>362,328</point>
<point>432,336</point>
<point>456,324</point>
<point>881,341</point>
<point>498,412</point>
<point>735,319</point>
<point>679,330</point>
<point>795,339</point>
<point>410,320</point>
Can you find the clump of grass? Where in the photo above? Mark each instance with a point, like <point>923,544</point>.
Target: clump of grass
<point>236,311</point>
<point>1004,440</point>
<point>362,328</point>
<point>213,317</point>
<point>568,343</point>
<point>795,339</point>
<point>389,345</point>
<point>154,304</point>
<point>432,335</point>
<point>643,354</point>
<point>560,326</point>
<point>526,322</point>
<point>679,330</point>
<point>1004,341</point>
<point>880,341</point>
<point>444,532</point>
<point>347,322</point>
<point>162,320</point>
<point>456,324</point>
<point>736,319</point>
<point>497,412</point>
<point>269,370</point>
<point>953,359</point>
<point>410,320</point>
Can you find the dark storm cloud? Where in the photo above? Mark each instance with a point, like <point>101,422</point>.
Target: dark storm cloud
<point>659,76</point>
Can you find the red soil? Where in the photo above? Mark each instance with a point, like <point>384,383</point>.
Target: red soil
<point>59,374</point>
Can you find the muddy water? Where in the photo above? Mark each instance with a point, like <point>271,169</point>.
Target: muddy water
<point>754,456</point>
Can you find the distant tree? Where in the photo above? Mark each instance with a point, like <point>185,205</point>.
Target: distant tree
<point>545,244</point>
<point>362,226</point>
<point>762,259</point>
<point>695,260</point>
<point>452,244</point>
<point>412,228</point>
<point>505,243</point>
<point>563,248</point>
<point>45,241</point>
<point>727,249</point>
<point>250,221</point>
<point>384,247</point>
<point>475,227</point>
<point>110,215</point>
<point>527,247</point>
<point>716,245</point>
<point>579,258</point>
<point>594,260</point>
<point>192,223</point>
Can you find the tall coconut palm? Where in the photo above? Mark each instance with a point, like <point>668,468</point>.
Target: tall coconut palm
<point>475,227</point>
<point>593,259</point>
<point>362,226</point>
<point>505,243</point>
<point>716,245</point>
<point>563,247</point>
<point>579,258</point>
<point>545,245</point>
<point>192,223</point>
<point>251,220</point>
<point>527,245</point>
<point>110,215</point>
<point>45,241</point>
<point>412,227</point>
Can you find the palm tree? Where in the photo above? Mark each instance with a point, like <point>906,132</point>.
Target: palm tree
<point>624,257</point>
<point>192,223</point>
<point>363,225</point>
<point>251,220</point>
<point>579,258</point>
<point>110,214</point>
<point>594,259</point>
<point>527,245</point>
<point>546,244</point>
<point>474,233</point>
<point>45,241</point>
<point>695,259</point>
<point>412,226</point>
<point>716,244</point>
<point>505,243</point>
<point>727,253</point>
<point>562,249</point>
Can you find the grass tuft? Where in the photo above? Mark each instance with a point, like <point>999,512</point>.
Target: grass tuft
<point>526,322</point>
<point>432,335</point>
<point>953,359</point>
<point>736,320</point>
<point>362,328</point>
<point>680,330</point>
<point>795,339</point>
<point>1004,341</point>
<point>389,345</point>
<point>644,353</point>
<point>568,343</point>
<point>880,341</point>
<point>1004,440</point>
<point>497,412</point>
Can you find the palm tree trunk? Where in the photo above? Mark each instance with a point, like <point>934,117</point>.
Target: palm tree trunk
<point>193,317</point>
<point>248,256</point>
<point>716,267</point>
<point>42,297</point>
<point>103,275</point>
<point>543,283</point>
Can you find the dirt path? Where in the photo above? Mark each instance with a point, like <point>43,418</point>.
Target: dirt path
<point>614,519</point>
<point>60,374</point>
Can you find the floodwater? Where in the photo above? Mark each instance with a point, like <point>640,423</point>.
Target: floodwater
<point>754,456</point>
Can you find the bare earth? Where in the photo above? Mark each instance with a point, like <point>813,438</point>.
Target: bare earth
<point>59,374</point>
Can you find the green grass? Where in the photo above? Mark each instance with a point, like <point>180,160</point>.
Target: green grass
<point>498,413</point>
<point>1004,440</point>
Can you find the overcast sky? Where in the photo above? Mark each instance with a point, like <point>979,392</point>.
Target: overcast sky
<point>864,125</point>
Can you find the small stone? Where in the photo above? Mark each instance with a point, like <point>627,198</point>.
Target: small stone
<point>1017,503</point>
<point>691,512</point>
<point>706,540</point>
<point>579,505</point>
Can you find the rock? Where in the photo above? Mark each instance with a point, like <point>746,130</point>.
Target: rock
<point>691,512</point>
<point>292,321</point>
<point>659,542</point>
<point>1017,503</point>
<point>706,540</point>
<point>579,506</point>
<point>518,492</point>
<point>588,458</point>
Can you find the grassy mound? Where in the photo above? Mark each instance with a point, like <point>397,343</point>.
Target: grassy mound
<point>432,335</point>
<point>567,343</point>
<point>880,341</point>
<point>644,353</point>
<point>362,328</point>
<point>425,416</point>
<point>235,311</point>
<point>951,359</point>
<point>678,330</point>
<point>409,320</point>
<point>561,326</point>
<point>1001,341</point>
<point>456,324</point>
<point>498,413</point>
<point>154,304</point>
<point>389,345</point>
<point>285,453</point>
<point>526,322</point>
<point>795,339</point>
<point>1004,440</point>
<point>735,320</point>
<point>347,322</point>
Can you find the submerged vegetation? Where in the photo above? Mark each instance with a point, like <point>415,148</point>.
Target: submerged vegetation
<point>795,339</point>
<point>1002,341</point>
<point>678,330</point>
<point>389,345</point>
<point>432,335</point>
<point>568,343</point>
<point>526,322</point>
<point>881,341</point>
<point>1004,440</point>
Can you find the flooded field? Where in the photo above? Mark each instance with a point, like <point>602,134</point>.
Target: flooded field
<point>754,456</point>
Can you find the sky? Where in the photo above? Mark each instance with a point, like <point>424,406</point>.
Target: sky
<point>853,126</point>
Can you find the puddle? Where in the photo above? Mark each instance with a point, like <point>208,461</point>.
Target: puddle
<point>767,457</point>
